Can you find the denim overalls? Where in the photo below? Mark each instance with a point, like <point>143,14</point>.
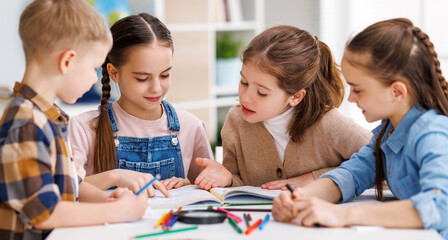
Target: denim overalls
<point>157,155</point>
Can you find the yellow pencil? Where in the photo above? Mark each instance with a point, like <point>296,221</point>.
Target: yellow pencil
<point>160,221</point>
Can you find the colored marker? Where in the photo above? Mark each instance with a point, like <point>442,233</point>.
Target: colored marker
<point>235,225</point>
<point>167,218</point>
<point>165,232</point>
<point>172,221</point>
<point>249,217</point>
<point>160,220</point>
<point>148,184</point>
<point>251,228</point>
<point>265,220</point>
<point>229,214</point>
<point>246,219</point>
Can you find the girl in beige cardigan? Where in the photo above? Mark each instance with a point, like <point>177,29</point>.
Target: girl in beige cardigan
<point>286,128</point>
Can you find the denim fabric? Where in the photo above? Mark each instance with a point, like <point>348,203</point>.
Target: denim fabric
<point>415,158</point>
<point>157,155</point>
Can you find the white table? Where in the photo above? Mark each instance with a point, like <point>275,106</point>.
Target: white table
<point>273,230</point>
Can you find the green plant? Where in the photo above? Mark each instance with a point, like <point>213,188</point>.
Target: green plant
<point>226,47</point>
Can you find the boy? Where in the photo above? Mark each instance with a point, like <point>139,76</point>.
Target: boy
<point>65,42</point>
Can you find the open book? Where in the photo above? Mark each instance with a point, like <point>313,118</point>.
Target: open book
<point>192,194</point>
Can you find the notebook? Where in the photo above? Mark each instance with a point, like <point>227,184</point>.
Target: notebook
<point>193,195</point>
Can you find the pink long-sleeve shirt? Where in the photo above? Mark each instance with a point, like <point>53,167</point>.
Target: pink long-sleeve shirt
<point>192,136</point>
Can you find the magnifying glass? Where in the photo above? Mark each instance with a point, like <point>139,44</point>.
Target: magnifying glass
<point>201,216</point>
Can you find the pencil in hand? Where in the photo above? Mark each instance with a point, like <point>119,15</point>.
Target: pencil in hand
<point>157,177</point>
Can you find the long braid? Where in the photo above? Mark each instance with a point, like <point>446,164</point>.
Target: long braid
<point>425,39</point>
<point>105,153</point>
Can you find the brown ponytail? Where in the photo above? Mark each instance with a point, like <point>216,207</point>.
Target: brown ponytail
<point>131,31</point>
<point>398,51</point>
<point>299,61</point>
<point>104,158</point>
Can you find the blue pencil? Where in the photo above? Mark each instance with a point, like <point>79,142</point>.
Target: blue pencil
<point>265,220</point>
<point>148,184</point>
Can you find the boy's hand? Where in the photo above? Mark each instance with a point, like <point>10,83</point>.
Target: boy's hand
<point>295,182</point>
<point>136,180</point>
<point>131,207</point>
<point>213,175</point>
<point>119,192</point>
<point>175,182</point>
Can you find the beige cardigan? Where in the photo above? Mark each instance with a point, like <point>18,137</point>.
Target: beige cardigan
<point>251,156</point>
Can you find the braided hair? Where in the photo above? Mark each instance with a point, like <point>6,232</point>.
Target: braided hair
<point>398,51</point>
<point>131,31</point>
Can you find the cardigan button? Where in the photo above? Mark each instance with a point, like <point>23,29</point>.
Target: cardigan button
<point>279,173</point>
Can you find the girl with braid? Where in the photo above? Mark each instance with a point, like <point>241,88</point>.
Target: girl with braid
<point>127,142</point>
<point>394,75</point>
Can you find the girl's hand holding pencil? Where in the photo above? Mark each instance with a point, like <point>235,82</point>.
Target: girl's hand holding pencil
<point>136,181</point>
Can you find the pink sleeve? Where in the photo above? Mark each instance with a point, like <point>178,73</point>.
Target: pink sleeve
<point>201,149</point>
<point>82,138</point>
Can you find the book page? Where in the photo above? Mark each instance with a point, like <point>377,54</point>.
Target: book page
<point>182,196</point>
<point>252,193</point>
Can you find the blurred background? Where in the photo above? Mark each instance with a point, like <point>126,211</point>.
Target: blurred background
<point>209,34</point>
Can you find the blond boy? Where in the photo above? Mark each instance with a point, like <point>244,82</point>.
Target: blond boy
<point>65,42</point>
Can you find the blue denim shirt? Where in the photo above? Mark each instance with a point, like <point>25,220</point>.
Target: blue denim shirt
<point>415,158</point>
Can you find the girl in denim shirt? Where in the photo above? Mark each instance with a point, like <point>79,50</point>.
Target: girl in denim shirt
<point>394,75</point>
<point>127,142</point>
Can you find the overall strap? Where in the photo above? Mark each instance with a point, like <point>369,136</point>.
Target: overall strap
<point>173,120</point>
<point>111,115</point>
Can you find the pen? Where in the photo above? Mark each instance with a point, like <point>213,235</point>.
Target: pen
<point>265,221</point>
<point>251,228</point>
<point>229,214</point>
<point>165,232</point>
<point>246,219</point>
<point>290,189</point>
<point>148,184</point>
<point>235,225</point>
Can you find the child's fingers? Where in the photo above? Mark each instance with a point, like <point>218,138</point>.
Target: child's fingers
<point>203,183</point>
<point>198,179</point>
<point>300,206</point>
<point>150,191</point>
<point>171,184</point>
<point>307,217</point>
<point>179,184</point>
<point>159,186</point>
<point>208,185</point>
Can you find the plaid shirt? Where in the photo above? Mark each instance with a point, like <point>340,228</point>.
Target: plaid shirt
<point>36,167</point>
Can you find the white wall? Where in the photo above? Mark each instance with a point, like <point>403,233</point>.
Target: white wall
<point>342,19</point>
<point>12,61</point>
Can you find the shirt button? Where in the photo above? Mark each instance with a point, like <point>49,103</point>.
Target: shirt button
<point>279,173</point>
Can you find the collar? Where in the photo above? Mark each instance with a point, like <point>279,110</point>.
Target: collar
<point>51,110</point>
<point>398,137</point>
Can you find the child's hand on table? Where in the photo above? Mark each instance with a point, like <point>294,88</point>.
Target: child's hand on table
<point>309,211</point>
<point>175,182</point>
<point>295,182</point>
<point>212,175</point>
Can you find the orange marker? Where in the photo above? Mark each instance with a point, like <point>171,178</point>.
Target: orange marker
<point>251,228</point>
<point>167,218</point>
